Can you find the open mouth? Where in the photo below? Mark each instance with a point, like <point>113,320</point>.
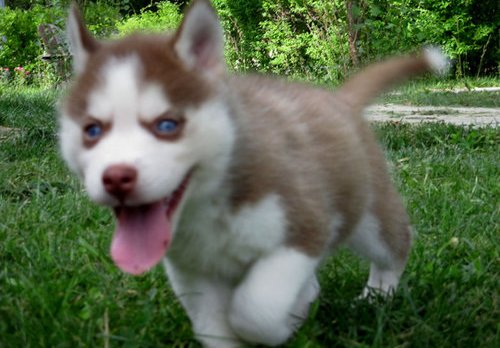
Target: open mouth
<point>143,232</point>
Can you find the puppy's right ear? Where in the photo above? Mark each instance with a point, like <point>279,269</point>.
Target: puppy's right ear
<point>81,42</point>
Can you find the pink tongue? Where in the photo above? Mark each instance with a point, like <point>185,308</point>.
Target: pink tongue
<point>141,237</point>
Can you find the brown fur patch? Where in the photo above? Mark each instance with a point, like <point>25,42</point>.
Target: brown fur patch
<point>318,153</point>
<point>307,151</point>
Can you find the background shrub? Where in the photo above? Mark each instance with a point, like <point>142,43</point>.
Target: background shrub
<point>101,16</point>
<point>20,45</point>
<point>308,39</point>
<point>165,16</point>
<point>466,29</point>
<point>325,39</point>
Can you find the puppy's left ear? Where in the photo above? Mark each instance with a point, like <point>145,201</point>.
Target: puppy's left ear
<point>199,41</point>
<point>82,43</point>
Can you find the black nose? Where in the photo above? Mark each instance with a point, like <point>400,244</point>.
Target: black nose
<point>119,180</point>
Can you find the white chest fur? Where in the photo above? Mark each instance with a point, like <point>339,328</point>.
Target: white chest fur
<point>213,240</point>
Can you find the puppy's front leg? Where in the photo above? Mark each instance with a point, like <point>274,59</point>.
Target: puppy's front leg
<point>263,304</point>
<point>206,303</point>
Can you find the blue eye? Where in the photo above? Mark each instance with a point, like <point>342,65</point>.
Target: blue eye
<point>166,126</point>
<point>93,131</point>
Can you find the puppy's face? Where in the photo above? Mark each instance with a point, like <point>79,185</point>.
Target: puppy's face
<point>144,126</point>
<point>120,126</point>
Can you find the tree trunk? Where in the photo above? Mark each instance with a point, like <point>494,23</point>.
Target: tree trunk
<point>352,33</point>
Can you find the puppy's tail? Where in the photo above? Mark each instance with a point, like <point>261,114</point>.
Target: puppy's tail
<point>379,77</point>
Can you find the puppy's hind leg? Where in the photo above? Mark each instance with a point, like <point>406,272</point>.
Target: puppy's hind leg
<point>386,247</point>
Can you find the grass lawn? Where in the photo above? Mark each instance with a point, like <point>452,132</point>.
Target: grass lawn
<point>443,93</point>
<point>59,288</point>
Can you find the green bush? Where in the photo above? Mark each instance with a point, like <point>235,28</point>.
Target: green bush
<point>166,17</point>
<point>20,45</point>
<point>240,20</point>
<point>300,38</point>
<point>101,17</point>
<point>466,29</point>
<point>305,39</point>
<point>310,39</point>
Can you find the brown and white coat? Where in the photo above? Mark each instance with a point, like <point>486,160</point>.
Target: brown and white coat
<point>243,183</point>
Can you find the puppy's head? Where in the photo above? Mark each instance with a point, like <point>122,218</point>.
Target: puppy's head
<point>146,127</point>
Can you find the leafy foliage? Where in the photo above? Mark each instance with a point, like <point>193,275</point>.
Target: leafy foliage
<point>18,35</point>
<point>311,39</point>
<point>461,27</point>
<point>101,16</point>
<point>298,38</point>
<point>21,46</point>
<point>167,16</point>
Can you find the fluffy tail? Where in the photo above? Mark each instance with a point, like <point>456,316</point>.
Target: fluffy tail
<point>377,78</point>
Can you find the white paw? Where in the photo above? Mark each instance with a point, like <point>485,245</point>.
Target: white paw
<point>381,282</point>
<point>258,321</point>
<point>371,294</point>
<point>209,341</point>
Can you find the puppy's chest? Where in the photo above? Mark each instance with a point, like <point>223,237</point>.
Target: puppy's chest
<point>212,239</point>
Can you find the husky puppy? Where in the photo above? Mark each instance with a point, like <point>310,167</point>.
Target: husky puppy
<point>239,184</point>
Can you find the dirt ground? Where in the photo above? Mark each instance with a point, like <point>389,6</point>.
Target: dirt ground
<point>458,115</point>
<point>481,117</point>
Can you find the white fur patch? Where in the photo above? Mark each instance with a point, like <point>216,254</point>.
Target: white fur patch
<point>226,243</point>
<point>367,241</point>
<point>117,98</point>
<point>335,223</point>
<point>259,227</point>
<point>210,135</point>
<point>70,144</point>
<point>383,281</point>
<point>135,147</point>
<point>263,304</point>
<point>152,103</point>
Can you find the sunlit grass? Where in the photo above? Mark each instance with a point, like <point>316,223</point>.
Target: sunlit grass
<point>445,92</point>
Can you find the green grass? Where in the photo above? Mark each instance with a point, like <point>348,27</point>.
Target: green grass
<point>437,92</point>
<point>59,288</point>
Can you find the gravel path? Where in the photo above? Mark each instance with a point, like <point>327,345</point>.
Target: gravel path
<point>458,115</point>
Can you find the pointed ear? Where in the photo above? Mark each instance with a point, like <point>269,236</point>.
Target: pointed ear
<point>81,42</point>
<point>199,41</point>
